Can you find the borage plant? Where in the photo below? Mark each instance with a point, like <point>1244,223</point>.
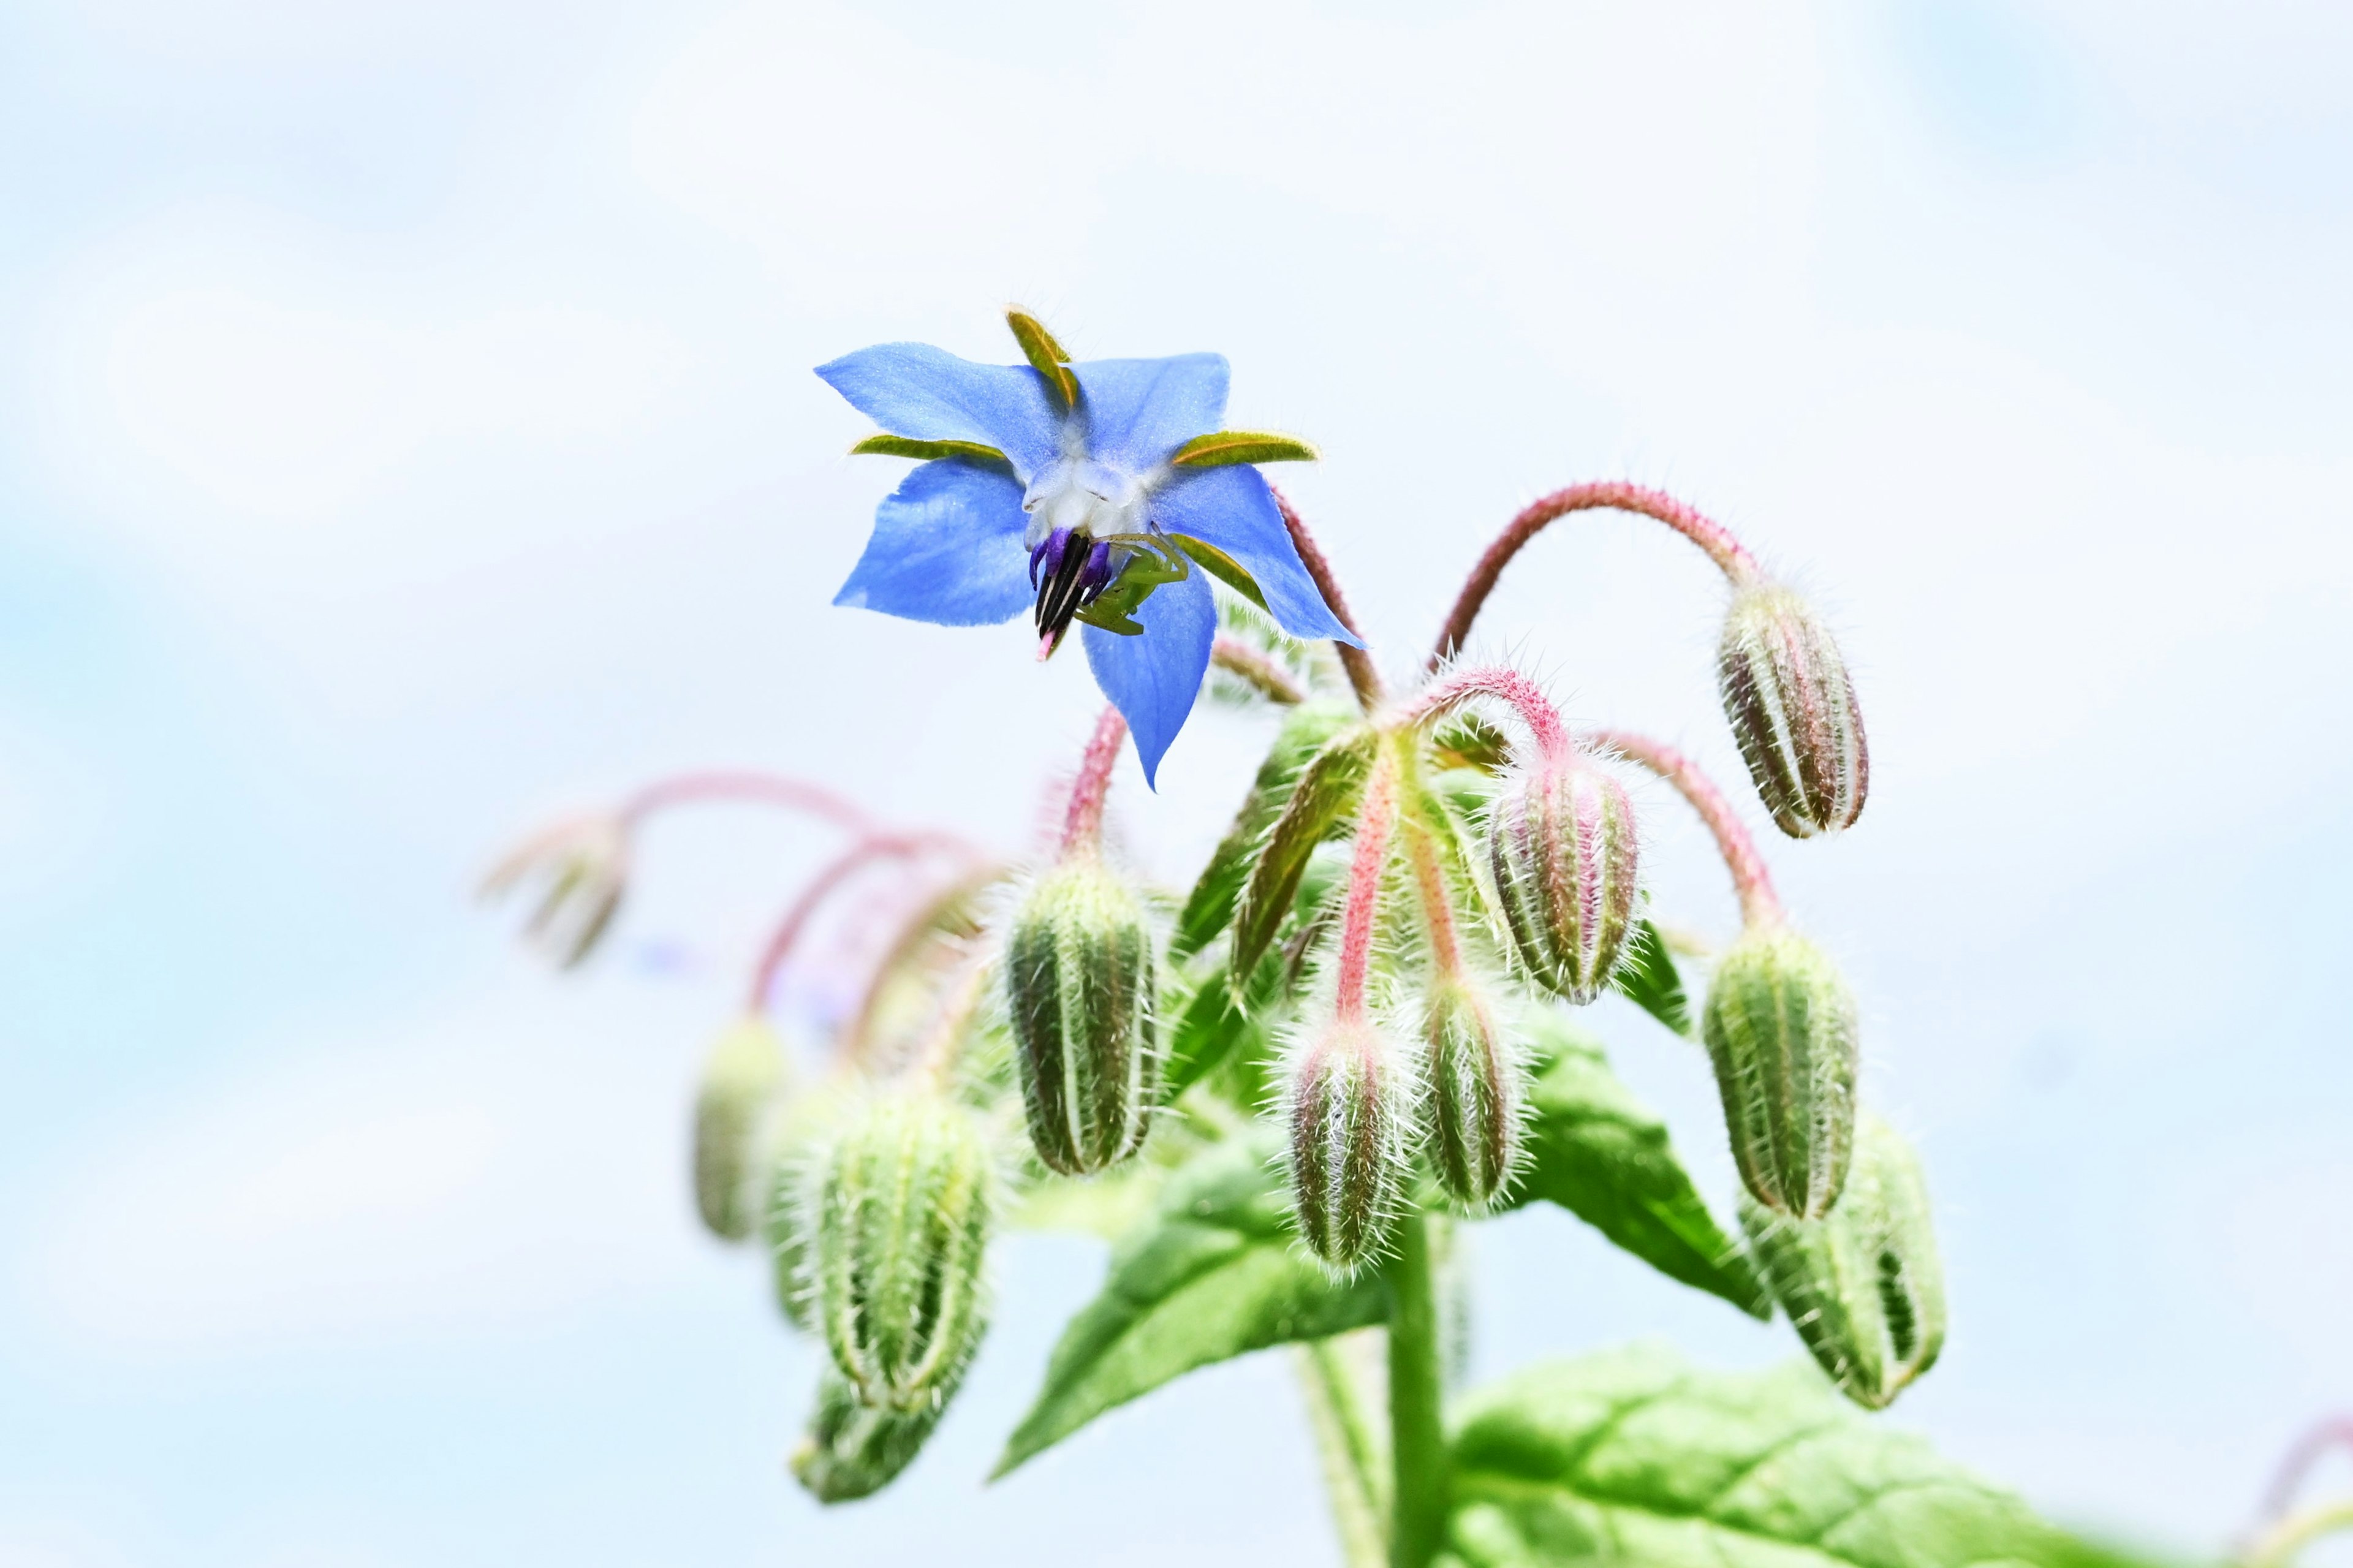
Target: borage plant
<point>1286,1095</point>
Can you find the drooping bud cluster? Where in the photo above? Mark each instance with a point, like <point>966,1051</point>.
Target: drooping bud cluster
<point>1474,1094</point>
<point>579,871</point>
<point>1792,708</point>
<point>1779,1025</point>
<point>901,1206</point>
<point>1081,979</point>
<point>741,1078</point>
<point>1349,1108</point>
<point>853,1450</point>
<point>1561,845</point>
<point>1864,1285</point>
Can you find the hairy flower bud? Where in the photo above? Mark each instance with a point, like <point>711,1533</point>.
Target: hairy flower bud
<point>1793,711</point>
<point>1864,1284</point>
<point>741,1079</point>
<point>1779,1026</point>
<point>902,1204</point>
<point>1349,1105</point>
<point>1476,1090</point>
<point>1082,982</point>
<point>1560,842</point>
<point>801,1131</point>
<point>853,1450</point>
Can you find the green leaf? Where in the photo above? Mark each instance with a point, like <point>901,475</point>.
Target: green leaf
<point>1317,807</point>
<point>1598,1152</point>
<point>908,447</point>
<point>1215,1021</point>
<point>1221,447</point>
<point>1223,567</point>
<point>1045,355</point>
<point>1214,1274</point>
<point>1649,978</point>
<point>1633,1456</point>
<point>1305,731</point>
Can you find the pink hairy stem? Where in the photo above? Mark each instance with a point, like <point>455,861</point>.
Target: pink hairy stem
<point>828,881</point>
<point>1728,553</point>
<point>1506,685</point>
<point>1083,818</point>
<point>1374,821</point>
<point>1759,903</point>
<point>771,789</point>
<point>1362,677</point>
<point>1437,906</point>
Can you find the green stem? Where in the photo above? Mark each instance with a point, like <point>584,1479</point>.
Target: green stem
<point>1344,1440</point>
<point>1420,1479</point>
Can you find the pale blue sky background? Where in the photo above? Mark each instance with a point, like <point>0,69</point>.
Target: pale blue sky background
<point>405,430</point>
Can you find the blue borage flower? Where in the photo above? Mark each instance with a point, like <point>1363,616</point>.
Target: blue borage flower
<point>1088,493</point>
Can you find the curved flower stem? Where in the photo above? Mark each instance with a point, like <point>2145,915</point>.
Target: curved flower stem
<point>1082,818</point>
<point>1237,657</point>
<point>1437,904</point>
<point>773,789</point>
<point>2336,1432</point>
<point>823,886</point>
<point>1421,1479</point>
<point>1758,903</point>
<point>1726,552</point>
<point>1362,675</point>
<point>2277,1547</point>
<point>1506,685</point>
<point>1361,914</point>
<point>857,1041</point>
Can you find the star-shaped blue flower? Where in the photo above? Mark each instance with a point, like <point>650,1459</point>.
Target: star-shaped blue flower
<point>1101,491</point>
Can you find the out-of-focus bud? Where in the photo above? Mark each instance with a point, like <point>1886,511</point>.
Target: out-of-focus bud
<point>1476,1090</point>
<point>1349,1106</point>
<point>853,1450</point>
<point>580,870</point>
<point>740,1080</point>
<point>1862,1285</point>
<point>902,1204</point>
<point>1082,982</point>
<point>1561,844</point>
<point>1779,1026</point>
<point>1793,711</point>
<point>794,1147</point>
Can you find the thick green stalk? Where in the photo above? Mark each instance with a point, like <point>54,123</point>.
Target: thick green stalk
<point>1421,1480</point>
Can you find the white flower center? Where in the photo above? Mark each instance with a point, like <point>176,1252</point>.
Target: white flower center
<point>1083,496</point>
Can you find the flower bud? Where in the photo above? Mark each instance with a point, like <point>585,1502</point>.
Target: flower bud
<point>579,870</point>
<point>902,1204</point>
<point>1781,1030</point>
<point>1864,1284</point>
<point>1349,1105</point>
<point>1560,841</point>
<point>1081,984</point>
<point>854,1451</point>
<point>1477,1091</point>
<point>1793,711</point>
<point>740,1080</point>
<point>794,1165</point>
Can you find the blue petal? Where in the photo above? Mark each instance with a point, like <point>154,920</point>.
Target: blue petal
<point>915,389</point>
<point>1141,410</point>
<point>947,549</point>
<point>1232,509</point>
<point>1154,678</point>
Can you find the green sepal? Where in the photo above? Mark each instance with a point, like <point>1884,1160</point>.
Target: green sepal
<point>1319,806</point>
<point>1635,1455</point>
<point>1210,905</point>
<point>1220,448</point>
<point>930,451</point>
<point>1648,977</point>
<point>1213,1274</point>
<point>1045,355</point>
<point>1598,1152</point>
<point>1223,567</point>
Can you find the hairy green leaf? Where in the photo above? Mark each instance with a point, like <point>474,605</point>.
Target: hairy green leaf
<point>1214,1274</point>
<point>908,447</point>
<point>1046,356</point>
<point>1210,906</point>
<point>1649,978</point>
<point>1317,806</point>
<point>1221,447</point>
<point>1633,1456</point>
<point>1598,1152</point>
